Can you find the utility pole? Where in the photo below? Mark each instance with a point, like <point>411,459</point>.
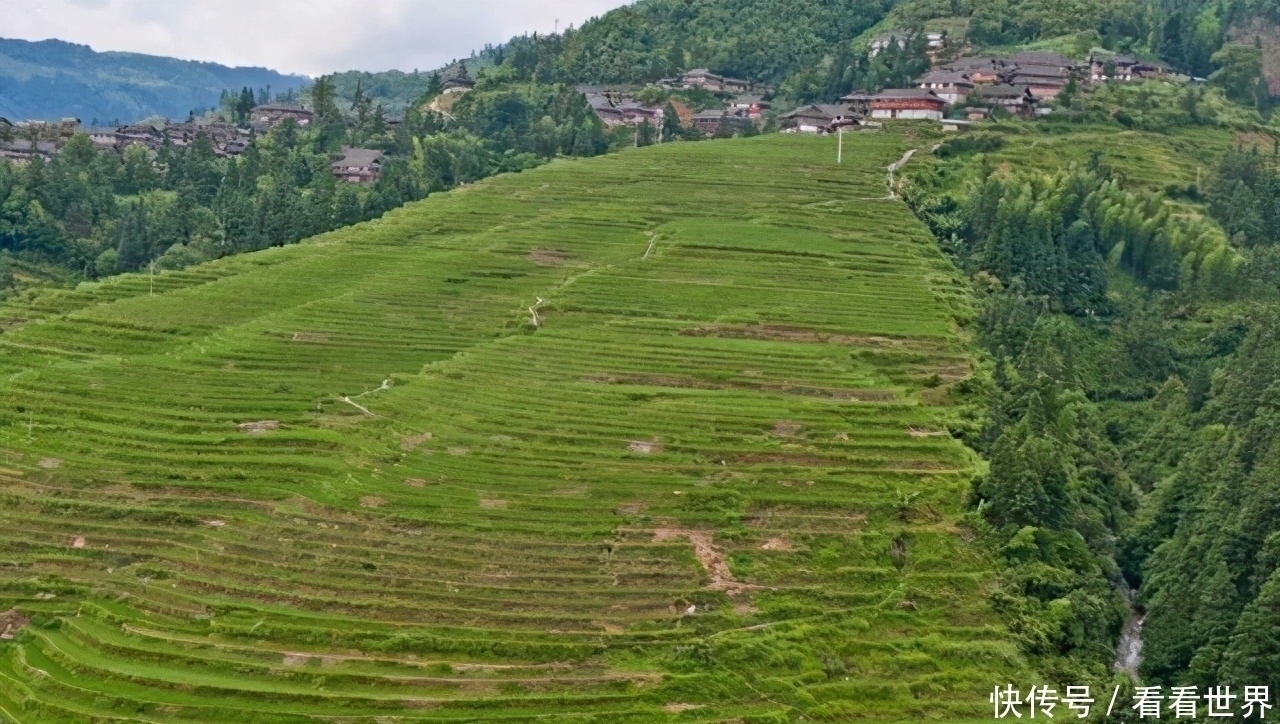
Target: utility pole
<point>840,145</point>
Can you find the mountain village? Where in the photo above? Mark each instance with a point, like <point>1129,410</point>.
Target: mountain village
<point>955,93</point>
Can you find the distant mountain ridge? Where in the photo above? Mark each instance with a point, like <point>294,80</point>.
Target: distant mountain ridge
<point>52,79</point>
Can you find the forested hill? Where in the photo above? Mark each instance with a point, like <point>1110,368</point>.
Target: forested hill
<point>798,46</point>
<point>52,79</point>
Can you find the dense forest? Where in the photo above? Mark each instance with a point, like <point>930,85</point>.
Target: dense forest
<point>821,45</point>
<point>1132,383</point>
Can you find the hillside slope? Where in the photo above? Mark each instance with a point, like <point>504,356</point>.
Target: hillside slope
<point>52,79</point>
<point>350,478</point>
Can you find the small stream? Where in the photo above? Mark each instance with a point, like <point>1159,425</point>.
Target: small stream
<point>1129,648</point>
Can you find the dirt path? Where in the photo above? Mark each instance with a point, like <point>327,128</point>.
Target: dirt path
<point>897,166</point>
<point>710,556</point>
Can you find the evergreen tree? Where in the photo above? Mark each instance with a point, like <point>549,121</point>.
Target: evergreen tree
<point>1252,657</point>
<point>671,129</point>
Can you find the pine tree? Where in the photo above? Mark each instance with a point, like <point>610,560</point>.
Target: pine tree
<point>1253,656</point>
<point>670,123</point>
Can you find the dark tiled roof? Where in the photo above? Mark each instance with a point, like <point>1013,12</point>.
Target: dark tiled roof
<point>359,158</point>
<point>1003,91</point>
<point>945,77</point>
<point>907,94</point>
<point>1037,57</point>
<point>1043,71</point>
<point>279,108</point>
<point>47,148</point>
<point>977,63</point>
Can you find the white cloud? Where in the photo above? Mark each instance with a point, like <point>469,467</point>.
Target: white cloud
<point>300,36</point>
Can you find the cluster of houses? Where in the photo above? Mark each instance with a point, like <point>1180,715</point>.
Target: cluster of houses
<point>1019,84</point>
<point>227,138</point>
<point>23,142</point>
<point>619,107</point>
<point>748,106</point>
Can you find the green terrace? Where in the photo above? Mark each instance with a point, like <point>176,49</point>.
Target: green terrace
<point>655,436</point>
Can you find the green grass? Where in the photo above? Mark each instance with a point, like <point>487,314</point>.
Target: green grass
<point>456,516</point>
<point>1143,159</point>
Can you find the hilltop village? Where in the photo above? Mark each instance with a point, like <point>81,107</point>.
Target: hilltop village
<point>21,142</point>
<point>957,91</point>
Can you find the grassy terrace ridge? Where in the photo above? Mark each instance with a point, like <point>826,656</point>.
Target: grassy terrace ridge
<point>350,480</point>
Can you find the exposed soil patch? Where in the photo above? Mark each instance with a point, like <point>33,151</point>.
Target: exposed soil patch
<point>925,465</point>
<point>216,523</point>
<point>50,463</point>
<point>415,482</point>
<point>372,501</point>
<point>786,428</point>
<point>953,373</point>
<point>10,622</point>
<point>79,542</point>
<point>777,544</point>
<point>915,432</point>
<point>549,257</point>
<point>745,609</point>
<point>710,556</point>
<point>694,383</point>
<point>786,333</point>
<point>296,659</point>
<point>310,337</point>
<point>632,508</point>
<point>644,448</point>
<point>652,380</point>
<point>815,521</point>
<point>259,427</point>
<point>808,461</point>
<point>411,442</point>
<point>493,504</point>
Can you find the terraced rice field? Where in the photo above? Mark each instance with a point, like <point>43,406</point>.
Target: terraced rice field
<point>652,437</point>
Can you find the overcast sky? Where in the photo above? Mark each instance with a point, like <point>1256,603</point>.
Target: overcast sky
<point>295,36</point>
